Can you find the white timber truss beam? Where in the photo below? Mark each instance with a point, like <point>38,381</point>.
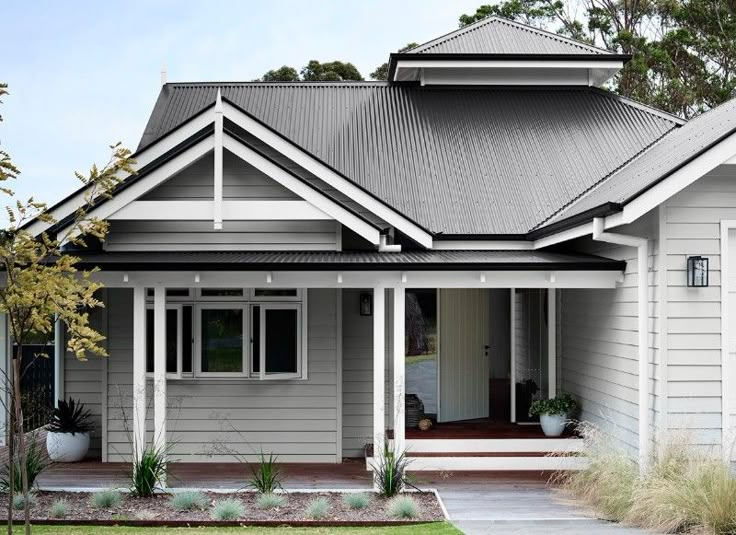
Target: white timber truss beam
<point>218,171</point>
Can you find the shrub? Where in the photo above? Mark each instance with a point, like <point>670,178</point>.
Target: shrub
<point>403,507</point>
<point>229,509</point>
<point>59,509</point>
<point>562,405</point>
<point>389,469</point>
<point>70,417</point>
<point>267,477</point>
<point>19,501</point>
<point>356,500</point>
<point>148,471</point>
<point>318,508</point>
<point>36,462</point>
<point>270,501</point>
<point>106,499</point>
<point>190,500</point>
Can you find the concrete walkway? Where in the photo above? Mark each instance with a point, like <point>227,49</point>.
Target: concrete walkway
<point>492,502</point>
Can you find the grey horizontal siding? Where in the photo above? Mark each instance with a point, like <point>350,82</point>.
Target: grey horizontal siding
<point>208,420</point>
<point>235,235</point>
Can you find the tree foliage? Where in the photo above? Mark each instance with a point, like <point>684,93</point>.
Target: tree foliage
<point>41,283</point>
<point>314,71</point>
<point>683,51</point>
<point>381,72</point>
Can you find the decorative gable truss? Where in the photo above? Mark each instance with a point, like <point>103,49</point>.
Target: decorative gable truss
<point>153,210</point>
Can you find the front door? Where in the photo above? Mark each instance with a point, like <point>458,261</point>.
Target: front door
<point>464,327</point>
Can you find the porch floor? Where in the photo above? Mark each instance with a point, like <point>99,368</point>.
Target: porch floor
<point>350,474</point>
<point>480,428</point>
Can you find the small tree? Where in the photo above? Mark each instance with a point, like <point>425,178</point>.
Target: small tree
<point>42,284</point>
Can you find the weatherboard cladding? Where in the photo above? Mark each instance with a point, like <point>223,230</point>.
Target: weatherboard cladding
<point>455,160</point>
<point>350,260</point>
<point>666,156</point>
<point>495,35</point>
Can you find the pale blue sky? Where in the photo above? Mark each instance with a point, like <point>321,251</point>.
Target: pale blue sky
<point>84,74</point>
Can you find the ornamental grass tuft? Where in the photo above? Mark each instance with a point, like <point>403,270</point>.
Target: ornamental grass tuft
<point>228,509</point>
<point>357,500</point>
<point>317,508</point>
<point>59,509</point>
<point>403,507</point>
<point>106,499</point>
<point>270,501</point>
<point>190,500</point>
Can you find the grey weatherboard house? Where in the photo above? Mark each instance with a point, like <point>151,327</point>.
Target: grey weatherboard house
<point>487,227</point>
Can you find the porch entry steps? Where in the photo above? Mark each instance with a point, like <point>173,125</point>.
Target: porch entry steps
<point>494,454</point>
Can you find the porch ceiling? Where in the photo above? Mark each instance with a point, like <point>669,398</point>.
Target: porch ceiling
<point>348,261</point>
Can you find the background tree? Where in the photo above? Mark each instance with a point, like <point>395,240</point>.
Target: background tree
<point>683,51</point>
<point>314,71</point>
<point>42,285</point>
<point>381,72</point>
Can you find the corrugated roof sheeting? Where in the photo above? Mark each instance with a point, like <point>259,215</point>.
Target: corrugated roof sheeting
<point>496,35</point>
<point>663,158</point>
<point>454,160</point>
<point>255,260</point>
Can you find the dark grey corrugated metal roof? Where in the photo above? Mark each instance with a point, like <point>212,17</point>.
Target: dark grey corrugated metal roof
<point>456,160</point>
<point>369,260</point>
<point>496,35</point>
<point>663,158</point>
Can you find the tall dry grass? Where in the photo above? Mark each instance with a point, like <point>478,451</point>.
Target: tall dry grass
<point>683,490</point>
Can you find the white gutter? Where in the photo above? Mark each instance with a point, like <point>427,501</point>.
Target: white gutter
<point>642,247</point>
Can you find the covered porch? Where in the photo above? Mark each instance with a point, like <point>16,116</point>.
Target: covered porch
<point>278,421</point>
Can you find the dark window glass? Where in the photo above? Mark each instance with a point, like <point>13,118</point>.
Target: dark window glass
<point>282,292</point>
<point>256,339</point>
<point>186,339</point>
<point>222,340</point>
<point>171,340</point>
<point>222,292</point>
<point>281,340</point>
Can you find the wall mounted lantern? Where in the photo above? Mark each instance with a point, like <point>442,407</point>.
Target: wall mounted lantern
<point>697,271</point>
<point>366,304</point>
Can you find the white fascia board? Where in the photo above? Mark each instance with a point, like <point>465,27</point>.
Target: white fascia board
<point>514,64</point>
<point>686,175</point>
<point>315,198</point>
<point>360,279</point>
<point>148,182</point>
<point>322,171</point>
<point>231,210</point>
<point>142,159</point>
<point>482,245</point>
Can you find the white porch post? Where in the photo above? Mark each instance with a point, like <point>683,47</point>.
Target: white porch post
<point>59,354</point>
<point>379,374</point>
<point>139,371</point>
<point>399,354</point>
<point>512,349</point>
<point>552,342</point>
<point>159,367</point>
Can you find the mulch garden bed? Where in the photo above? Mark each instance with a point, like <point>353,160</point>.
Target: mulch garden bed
<point>157,511</point>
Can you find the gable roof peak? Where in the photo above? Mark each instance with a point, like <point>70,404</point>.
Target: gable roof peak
<point>499,35</point>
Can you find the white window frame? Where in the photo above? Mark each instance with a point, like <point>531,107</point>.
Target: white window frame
<point>179,345</point>
<point>266,298</point>
<point>239,305</point>
<point>223,298</point>
<point>300,344</point>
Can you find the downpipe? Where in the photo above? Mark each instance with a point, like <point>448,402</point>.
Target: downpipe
<point>642,256</point>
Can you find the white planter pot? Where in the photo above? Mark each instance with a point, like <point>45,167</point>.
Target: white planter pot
<point>553,424</point>
<point>67,447</point>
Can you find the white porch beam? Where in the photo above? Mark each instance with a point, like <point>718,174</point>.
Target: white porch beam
<point>159,367</point>
<point>399,360</point>
<point>139,370</point>
<point>218,162</point>
<point>361,279</point>
<point>230,211</point>
<point>552,342</point>
<point>379,374</point>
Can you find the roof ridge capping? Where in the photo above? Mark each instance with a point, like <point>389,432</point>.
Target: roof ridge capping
<point>495,19</point>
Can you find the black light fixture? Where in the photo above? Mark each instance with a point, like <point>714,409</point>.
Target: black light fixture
<point>697,271</point>
<point>366,304</point>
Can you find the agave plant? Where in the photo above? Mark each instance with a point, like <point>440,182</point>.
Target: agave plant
<point>70,417</point>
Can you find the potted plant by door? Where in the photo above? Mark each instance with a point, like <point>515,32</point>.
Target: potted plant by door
<point>67,440</point>
<point>553,413</point>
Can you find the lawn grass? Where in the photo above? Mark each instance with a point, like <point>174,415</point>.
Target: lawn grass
<point>435,528</point>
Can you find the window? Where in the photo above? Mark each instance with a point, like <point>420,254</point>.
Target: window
<point>178,340</point>
<point>276,340</point>
<point>275,294</point>
<point>221,292</point>
<point>221,330</point>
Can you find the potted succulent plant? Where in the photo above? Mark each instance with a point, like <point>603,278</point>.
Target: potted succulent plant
<point>553,413</point>
<point>67,440</point>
